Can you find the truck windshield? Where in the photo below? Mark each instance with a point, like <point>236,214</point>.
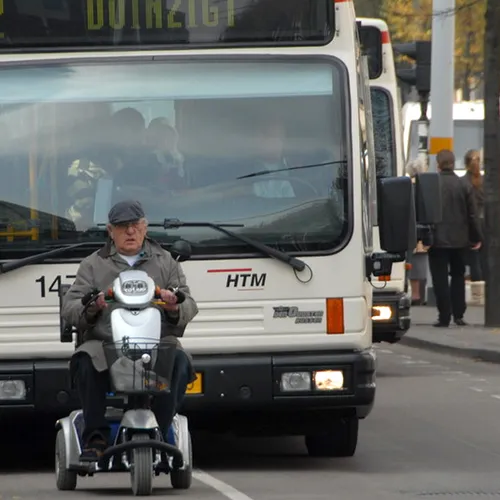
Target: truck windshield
<point>183,137</point>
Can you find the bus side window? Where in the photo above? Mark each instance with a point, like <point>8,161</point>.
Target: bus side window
<point>385,146</point>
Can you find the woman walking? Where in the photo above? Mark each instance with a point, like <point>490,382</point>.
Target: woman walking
<point>476,258</point>
<point>418,260</point>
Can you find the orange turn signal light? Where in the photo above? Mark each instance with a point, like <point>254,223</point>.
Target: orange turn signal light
<point>335,316</point>
<point>384,278</point>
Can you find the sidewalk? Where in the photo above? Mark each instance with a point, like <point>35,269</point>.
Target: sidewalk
<point>474,341</point>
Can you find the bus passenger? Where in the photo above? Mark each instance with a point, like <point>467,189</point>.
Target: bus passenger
<point>162,138</point>
<point>96,160</point>
<point>112,147</point>
<point>140,166</point>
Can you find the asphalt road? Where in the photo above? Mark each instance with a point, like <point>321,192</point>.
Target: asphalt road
<point>434,433</point>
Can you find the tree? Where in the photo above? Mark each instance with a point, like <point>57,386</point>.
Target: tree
<point>411,20</point>
<point>368,8</point>
<point>492,161</point>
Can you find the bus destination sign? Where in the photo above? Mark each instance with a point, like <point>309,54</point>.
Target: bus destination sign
<point>40,24</point>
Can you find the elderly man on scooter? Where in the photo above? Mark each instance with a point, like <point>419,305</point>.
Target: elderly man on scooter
<point>127,247</point>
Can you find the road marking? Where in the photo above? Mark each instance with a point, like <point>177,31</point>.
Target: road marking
<point>416,362</point>
<point>223,488</point>
<point>385,351</point>
<point>496,396</point>
<point>477,389</point>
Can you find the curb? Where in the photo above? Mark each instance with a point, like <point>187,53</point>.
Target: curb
<point>427,324</point>
<point>486,355</point>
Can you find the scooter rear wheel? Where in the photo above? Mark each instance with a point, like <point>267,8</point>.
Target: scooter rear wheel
<point>141,473</point>
<point>181,478</point>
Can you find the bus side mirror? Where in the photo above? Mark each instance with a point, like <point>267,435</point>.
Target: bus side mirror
<point>396,214</point>
<point>428,202</point>
<point>396,224</point>
<point>181,250</point>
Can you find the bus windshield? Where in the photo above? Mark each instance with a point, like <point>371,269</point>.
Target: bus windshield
<point>262,143</point>
<point>467,134</point>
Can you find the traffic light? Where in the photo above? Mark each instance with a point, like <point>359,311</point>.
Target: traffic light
<point>420,75</point>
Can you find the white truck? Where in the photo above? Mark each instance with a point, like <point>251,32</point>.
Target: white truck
<point>270,103</point>
<point>468,129</point>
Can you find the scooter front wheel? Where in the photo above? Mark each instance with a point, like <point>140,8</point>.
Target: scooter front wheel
<point>141,472</point>
<point>65,479</point>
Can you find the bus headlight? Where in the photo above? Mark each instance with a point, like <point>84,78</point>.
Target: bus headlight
<point>381,313</point>
<point>12,390</point>
<point>295,381</point>
<point>329,380</point>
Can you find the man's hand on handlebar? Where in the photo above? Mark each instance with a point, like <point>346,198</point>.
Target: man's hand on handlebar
<point>100,302</point>
<point>93,303</point>
<point>170,300</point>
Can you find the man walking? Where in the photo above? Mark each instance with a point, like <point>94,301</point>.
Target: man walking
<point>453,236</point>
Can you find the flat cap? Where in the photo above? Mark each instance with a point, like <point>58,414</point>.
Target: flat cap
<point>125,211</point>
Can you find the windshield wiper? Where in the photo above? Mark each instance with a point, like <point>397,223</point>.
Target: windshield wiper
<point>286,169</point>
<point>6,267</point>
<point>296,264</point>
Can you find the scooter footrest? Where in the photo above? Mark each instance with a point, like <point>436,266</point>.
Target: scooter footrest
<point>103,465</point>
<point>162,467</point>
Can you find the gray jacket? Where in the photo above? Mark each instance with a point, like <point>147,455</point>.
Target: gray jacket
<point>99,270</point>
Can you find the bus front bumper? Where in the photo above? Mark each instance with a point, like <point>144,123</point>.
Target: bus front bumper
<point>256,391</point>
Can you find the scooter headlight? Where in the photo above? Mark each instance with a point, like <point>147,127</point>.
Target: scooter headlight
<point>134,287</point>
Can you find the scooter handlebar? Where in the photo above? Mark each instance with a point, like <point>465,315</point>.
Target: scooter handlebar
<point>88,297</point>
<point>181,297</point>
<point>109,296</point>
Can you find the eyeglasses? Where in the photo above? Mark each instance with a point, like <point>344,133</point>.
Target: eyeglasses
<point>125,225</point>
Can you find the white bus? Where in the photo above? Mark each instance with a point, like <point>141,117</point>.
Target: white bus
<point>267,103</point>
<point>391,300</point>
<point>468,129</point>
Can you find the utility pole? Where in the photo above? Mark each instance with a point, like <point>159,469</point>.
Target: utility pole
<point>492,162</point>
<point>442,78</point>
